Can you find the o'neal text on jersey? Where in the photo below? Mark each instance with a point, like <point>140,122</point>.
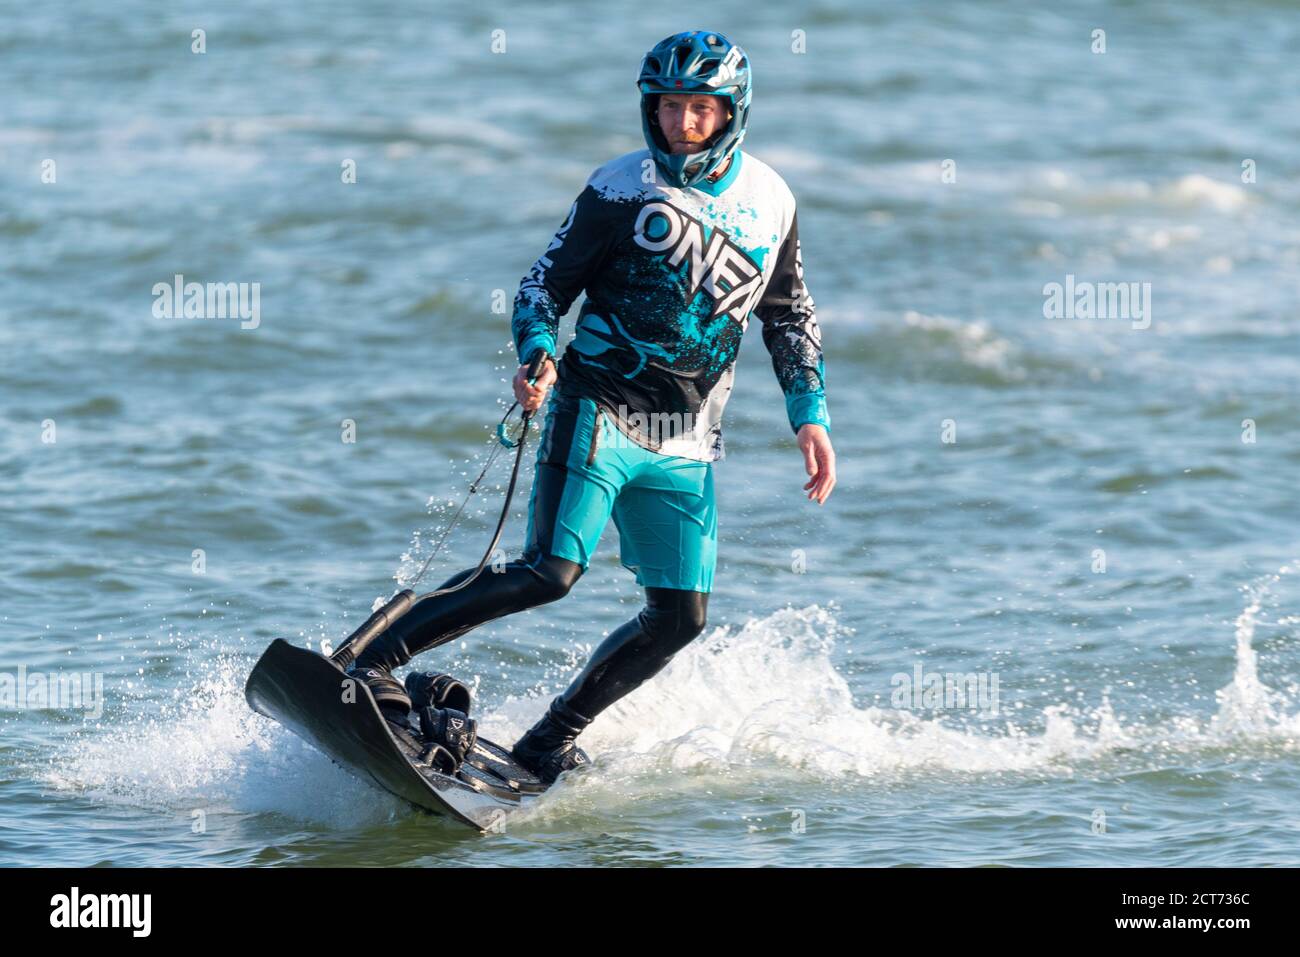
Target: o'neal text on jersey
<point>719,266</point>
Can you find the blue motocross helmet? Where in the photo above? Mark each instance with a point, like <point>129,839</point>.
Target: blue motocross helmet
<point>695,62</point>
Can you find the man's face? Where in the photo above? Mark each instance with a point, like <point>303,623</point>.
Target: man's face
<point>690,121</point>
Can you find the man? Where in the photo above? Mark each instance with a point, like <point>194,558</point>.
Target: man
<point>676,245</point>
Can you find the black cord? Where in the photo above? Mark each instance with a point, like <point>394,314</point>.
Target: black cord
<point>501,522</point>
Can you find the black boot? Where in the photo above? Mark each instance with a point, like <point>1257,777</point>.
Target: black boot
<point>375,667</point>
<point>547,748</point>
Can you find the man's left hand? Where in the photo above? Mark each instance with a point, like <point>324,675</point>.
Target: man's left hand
<point>819,460</point>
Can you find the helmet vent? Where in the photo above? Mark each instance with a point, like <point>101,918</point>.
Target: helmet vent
<point>708,66</point>
<point>652,64</point>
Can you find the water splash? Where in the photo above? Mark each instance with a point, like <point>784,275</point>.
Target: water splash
<point>766,697</point>
<point>1247,707</point>
<point>760,698</point>
<point>207,750</point>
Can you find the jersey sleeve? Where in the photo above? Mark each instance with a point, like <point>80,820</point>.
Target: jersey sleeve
<point>793,338</point>
<point>571,260</point>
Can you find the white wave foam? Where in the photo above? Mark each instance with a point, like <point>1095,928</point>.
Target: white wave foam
<point>768,695</point>
<point>1187,192</point>
<point>978,345</point>
<point>1198,190</point>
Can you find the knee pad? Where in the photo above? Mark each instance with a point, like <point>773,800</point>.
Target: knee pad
<point>675,616</point>
<point>554,577</point>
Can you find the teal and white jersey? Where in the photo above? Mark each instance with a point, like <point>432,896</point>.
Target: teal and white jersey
<point>672,277</point>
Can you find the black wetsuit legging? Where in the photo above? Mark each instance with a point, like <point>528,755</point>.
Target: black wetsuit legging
<point>632,654</point>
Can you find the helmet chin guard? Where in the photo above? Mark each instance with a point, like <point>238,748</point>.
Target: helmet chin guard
<point>696,62</point>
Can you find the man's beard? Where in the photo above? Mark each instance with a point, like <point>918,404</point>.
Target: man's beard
<point>699,146</point>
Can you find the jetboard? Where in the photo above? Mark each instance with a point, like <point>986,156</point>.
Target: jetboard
<point>315,699</point>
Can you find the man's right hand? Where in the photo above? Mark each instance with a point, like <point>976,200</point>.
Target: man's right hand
<point>532,396</point>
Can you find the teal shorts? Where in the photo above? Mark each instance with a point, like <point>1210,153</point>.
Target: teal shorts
<point>662,505</point>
